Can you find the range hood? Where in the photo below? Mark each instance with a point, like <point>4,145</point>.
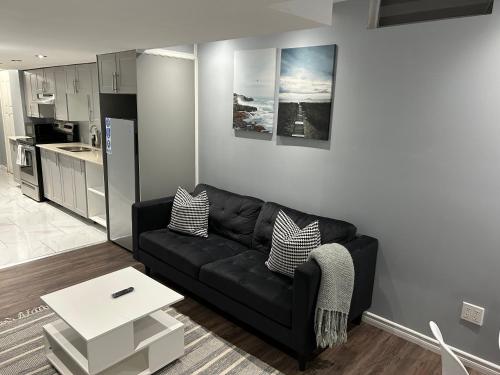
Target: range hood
<point>45,99</point>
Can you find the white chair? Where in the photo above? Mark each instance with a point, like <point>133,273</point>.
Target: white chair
<point>451,365</point>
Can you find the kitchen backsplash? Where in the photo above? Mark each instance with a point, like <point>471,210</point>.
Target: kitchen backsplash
<point>85,131</point>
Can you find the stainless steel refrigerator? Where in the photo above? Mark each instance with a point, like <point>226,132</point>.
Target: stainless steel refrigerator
<point>122,166</point>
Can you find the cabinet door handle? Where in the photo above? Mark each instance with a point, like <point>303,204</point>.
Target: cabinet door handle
<point>114,81</point>
<point>116,78</point>
<point>89,108</point>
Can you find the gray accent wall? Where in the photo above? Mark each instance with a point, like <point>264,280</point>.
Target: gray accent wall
<point>413,159</point>
<point>166,119</point>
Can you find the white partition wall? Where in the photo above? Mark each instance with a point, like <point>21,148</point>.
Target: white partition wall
<point>166,122</point>
<point>7,113</point>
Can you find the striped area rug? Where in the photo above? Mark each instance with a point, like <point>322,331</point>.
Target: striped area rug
<point>22,350</point>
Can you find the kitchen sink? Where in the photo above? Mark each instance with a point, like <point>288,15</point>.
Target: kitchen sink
<point>75,148</point>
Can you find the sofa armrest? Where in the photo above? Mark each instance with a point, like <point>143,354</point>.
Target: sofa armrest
<point>363,251</point>
<point>306,282</point>
<point>149,215</point>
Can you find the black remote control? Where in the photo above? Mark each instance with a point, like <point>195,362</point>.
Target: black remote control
<point>122,292</point>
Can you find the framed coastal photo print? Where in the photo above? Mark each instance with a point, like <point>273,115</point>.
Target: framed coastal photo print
<point>254,90</point>
<point>307,77</point>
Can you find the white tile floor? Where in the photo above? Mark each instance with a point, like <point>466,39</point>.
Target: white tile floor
<point>30,230</point>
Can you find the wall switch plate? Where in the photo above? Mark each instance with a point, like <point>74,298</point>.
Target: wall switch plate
<point>472,313</point>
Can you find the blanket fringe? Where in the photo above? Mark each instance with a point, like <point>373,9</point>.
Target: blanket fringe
<point>331,328</point>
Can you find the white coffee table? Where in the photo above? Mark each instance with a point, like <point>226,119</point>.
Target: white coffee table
<point>97,334</point>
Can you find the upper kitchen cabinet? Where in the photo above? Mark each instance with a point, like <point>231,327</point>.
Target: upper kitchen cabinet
<point>30,93</point>
<point>70,79</point>
<point>43,82</point>
<point>78,79</point>
<point>61,102</point>
<point>95,117</point>
<point>38,81</point>
<point>118,73</point>
<point>66,93</point>
<point>126,77</point>
<point>39,90</point>
<point>81,92</point>
<point>27,93</point>
<point>49,81</point>
<point>107,71</point>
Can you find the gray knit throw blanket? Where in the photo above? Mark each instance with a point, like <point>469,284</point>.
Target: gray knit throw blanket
<point>335,293</point>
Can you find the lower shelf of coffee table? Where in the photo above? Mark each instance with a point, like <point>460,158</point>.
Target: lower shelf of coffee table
<point>156,340</point>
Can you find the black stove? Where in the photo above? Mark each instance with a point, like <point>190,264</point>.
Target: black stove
<point>50,133</point>
<point>31,168</point>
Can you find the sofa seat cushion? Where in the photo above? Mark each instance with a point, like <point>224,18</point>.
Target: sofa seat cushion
<point>185,252</point>
<point>246,279</point>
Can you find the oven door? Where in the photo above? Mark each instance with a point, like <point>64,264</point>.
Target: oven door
<point>29,172</point>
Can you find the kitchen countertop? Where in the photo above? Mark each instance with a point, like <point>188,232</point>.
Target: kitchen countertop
<point>94,156</point>
<point>14,138</point>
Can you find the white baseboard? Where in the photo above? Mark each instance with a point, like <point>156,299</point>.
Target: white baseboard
<point>429,343</point>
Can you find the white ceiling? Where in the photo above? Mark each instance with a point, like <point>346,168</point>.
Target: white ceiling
<point>74,31</point>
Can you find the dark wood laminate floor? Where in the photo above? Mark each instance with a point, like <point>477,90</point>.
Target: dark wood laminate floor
<point>369,350</point>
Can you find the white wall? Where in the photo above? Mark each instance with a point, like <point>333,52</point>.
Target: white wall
<point>165,111</point>
<point>413,159</point>
<point>3,148</point>
<point>17,101</point>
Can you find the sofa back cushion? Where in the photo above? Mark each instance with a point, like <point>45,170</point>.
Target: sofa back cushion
<point>231,215</point>
<point>332,230</point>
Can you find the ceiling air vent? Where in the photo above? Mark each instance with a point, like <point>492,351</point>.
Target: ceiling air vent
<point>399,12</point>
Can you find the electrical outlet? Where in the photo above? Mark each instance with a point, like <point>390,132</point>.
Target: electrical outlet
<point>472,313</point>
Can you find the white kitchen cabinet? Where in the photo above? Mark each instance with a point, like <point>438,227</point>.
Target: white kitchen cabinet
<point>51,176</point>
<point>79,92</point>
<point>64,181</point>
<point>39,81</point>
<point>118,73</point>
<point>46,174</point>
<point>67,180</point>
<point>27,93</point>
<point>84,79</point>
<point>70,79</point>
<point>49,81</point>
<point>78,107</point>
<point>95,117</point>
<point>76,91</point>
<point>107,71</point>
<point>80,187</point>
<point>61,102</point>
<point>13,156</point>
<point>33,90</point>
<point>127,72</point>
<point>78,79</point>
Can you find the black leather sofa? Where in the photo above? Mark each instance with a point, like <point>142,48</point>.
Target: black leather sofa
<point>227,269</point>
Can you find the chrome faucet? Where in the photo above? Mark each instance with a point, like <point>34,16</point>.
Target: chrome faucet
<point>95,138</point>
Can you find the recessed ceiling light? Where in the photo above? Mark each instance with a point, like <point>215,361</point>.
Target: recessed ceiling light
<point>16,60</point>
<point>41,56</point>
